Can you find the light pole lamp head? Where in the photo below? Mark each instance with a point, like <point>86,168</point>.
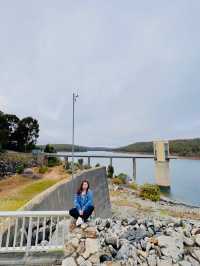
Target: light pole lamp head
<point>75,96</point>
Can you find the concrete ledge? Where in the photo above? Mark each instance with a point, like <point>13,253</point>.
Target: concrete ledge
<point>60,196</point>
<point>33,259</point>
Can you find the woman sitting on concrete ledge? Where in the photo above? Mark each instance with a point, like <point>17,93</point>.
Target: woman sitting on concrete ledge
<point>83,204</point>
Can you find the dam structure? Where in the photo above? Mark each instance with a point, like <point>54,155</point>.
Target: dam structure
<point>39,230</point>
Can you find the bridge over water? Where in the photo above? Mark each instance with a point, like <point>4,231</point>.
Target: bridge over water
<point>110,158</point>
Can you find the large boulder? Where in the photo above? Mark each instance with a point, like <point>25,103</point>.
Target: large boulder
<point>28,172</point>
<point>171,246</point>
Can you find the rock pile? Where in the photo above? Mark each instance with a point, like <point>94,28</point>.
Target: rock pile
<point>149,242</point>
<point>82,247</point>
<point>9,167</point>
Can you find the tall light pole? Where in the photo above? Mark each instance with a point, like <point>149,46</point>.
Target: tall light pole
<point>75,95</point>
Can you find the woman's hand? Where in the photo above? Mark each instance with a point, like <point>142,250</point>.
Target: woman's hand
<point>81,212</point>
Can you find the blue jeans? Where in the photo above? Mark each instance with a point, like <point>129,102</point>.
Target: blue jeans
<point>86,213</point>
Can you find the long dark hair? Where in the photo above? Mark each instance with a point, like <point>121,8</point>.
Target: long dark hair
<point>79,191</point>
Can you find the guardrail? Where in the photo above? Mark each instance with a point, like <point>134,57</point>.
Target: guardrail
<point>25,231</point>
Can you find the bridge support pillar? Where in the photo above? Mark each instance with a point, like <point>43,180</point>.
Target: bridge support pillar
<point>111,161</point>
<point>66,162</point>
<point>162,173</point>
<point>134,169</point>
<point>89,161</point>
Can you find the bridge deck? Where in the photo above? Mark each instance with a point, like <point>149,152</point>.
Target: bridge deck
<point>106,156</point>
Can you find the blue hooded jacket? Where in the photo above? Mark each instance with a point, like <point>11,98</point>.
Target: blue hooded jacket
<point>81,202</point>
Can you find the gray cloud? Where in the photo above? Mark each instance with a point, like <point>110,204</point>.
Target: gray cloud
<point>135,65</point>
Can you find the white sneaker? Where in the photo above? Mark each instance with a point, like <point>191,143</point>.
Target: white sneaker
<point>79,221</point>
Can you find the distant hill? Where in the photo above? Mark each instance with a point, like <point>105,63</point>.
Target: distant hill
<point>65,147</point>
<point>77,148</point>
<point>181,147</point>
<point>146,147</point>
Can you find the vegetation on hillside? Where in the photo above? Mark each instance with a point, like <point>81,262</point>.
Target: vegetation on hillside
<point>181,147</point>
<point>18,134</point>
<point>64,147</point>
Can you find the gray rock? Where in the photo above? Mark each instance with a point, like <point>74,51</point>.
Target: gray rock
<point>167,262</point>
<point>132,221</point>
<point>171,247</point>
<point>140,234</point>
<point>187,229</point>
<point>151,232</point>
<point>124,222</point>
<point>184,263</point>
<point>195,231</point>
<point>112,239</point>
<point>152,260</point>
<point>188,241</point>
<point>192,261</point>
<point>197,240</point>
<point>143,244</point>
<point>69,261</point>
<point>105,257</point>
<point>28,172</point>
<point>195,252</point>
<point>112,251</point>
<point>126,251</point>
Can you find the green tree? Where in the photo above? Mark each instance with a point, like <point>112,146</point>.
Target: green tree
<point>49,149</point>
<point>3,131</point>
<point>110,171</point>
<point>12,123</point>
<point>27,133</point>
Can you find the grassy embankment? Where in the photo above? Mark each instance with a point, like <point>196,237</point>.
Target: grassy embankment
<point>17,190</point>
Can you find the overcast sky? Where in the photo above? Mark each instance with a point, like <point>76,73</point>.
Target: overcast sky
<point>135,64</point>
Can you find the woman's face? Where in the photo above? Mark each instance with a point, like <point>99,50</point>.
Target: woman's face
<point>85,185</point>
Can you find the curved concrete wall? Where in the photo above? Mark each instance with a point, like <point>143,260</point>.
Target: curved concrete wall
<point>60,196</point>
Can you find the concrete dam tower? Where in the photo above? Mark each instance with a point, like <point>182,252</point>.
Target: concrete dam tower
<point>162,172</point>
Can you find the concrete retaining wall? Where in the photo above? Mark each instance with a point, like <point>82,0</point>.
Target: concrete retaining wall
<point>60,196</point>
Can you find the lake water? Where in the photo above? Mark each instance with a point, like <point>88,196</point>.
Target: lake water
<point>184,173</point>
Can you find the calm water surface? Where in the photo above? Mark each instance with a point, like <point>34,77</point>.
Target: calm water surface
<point>185,174</point>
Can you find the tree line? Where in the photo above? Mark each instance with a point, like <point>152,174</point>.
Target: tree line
<point>18,134</point>
<point>180,147</point>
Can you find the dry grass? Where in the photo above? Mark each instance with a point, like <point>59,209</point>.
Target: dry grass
<point>17,190</point>
<point>115,193</point>
<point>179,214</point>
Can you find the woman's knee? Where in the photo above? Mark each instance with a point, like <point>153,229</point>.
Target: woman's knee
<point>90,208</point>
<point>72,211</point>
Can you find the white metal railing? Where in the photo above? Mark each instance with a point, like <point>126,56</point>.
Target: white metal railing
<point>25,231</point>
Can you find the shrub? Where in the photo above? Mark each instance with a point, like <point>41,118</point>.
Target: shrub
<point>67,165</point>
<point>117,181</point>
<point>97,165</point>
<point>53,161</point>
<point>80,162</point>
<point>150,191</point>
<point>19,168</point>
<point>69,171</point>
<point>86,166</point>
<point>123,177</point>
<point>110,171</point>
<point>133,186</point>
<point>49,149</point>
<point>43,169</point>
